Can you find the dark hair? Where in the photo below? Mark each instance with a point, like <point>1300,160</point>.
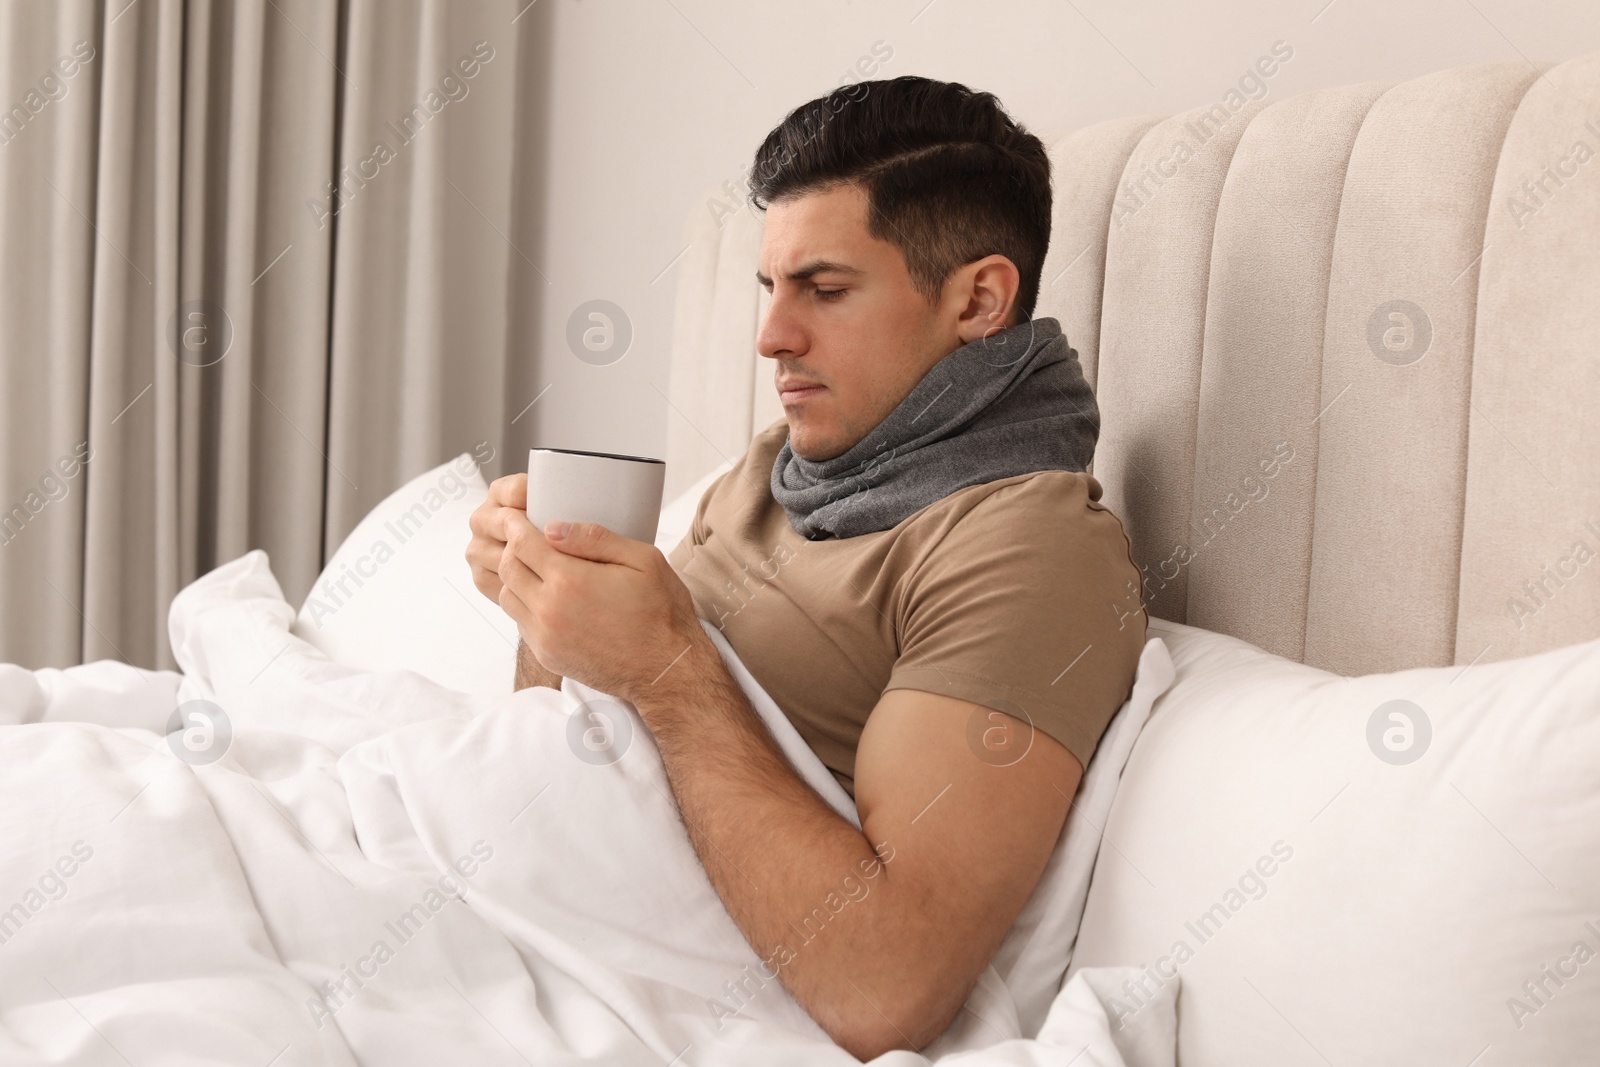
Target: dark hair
<point>949,177</point>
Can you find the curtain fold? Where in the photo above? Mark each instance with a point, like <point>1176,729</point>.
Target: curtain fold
<point>257,274</point>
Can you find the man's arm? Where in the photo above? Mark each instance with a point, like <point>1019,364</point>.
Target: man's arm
<point>531,672</point>
<point>879,933</point>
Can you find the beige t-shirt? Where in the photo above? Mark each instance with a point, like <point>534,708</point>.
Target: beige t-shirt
<point>1017,593</point>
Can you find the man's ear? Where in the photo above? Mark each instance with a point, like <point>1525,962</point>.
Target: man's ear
<point>987,288</point>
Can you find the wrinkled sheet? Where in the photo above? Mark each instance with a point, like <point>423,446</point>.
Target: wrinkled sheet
<point>378,870</point>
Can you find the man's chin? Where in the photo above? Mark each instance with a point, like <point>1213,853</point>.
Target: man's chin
<point>815,443</point>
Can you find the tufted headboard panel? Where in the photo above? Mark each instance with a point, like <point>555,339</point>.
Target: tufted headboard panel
<point>1344,347</point>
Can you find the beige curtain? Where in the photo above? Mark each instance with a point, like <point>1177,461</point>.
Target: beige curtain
<point>262,263</point>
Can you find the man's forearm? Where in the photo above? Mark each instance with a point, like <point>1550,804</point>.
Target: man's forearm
<point>812,895</point>
<point>531,672</point>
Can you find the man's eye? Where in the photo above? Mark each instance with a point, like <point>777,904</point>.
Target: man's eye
<point>829,294</point>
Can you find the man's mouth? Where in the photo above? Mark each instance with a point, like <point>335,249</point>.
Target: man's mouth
<point>790,393</point>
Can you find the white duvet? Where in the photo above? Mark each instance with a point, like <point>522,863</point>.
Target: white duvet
<point>378,870</point>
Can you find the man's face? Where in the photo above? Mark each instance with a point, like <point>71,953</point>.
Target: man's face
<point>844,315</point>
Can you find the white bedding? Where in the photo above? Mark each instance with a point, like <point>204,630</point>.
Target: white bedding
<point>473,892</point>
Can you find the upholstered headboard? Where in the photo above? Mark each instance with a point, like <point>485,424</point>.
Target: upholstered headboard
<point>1345,351</point>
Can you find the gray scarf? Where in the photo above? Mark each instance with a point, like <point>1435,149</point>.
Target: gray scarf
<point>1009,404</point>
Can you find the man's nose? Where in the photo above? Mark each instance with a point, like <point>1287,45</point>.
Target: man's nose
<point>781,335</point>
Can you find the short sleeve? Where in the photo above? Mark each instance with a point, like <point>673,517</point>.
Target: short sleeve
<point>679,556</point>
<point>1029,600</point>
<point>752,469</point>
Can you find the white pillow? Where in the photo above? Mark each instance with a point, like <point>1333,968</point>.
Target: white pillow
<point>1358,908</point>
<point>398,594</point>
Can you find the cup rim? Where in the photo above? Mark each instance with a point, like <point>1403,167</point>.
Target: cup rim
<point>602,455</point>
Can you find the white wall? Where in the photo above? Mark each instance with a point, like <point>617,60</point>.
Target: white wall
<point>654,102</point>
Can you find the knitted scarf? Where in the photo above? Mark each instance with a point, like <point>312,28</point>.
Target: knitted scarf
<point>1012,403</point>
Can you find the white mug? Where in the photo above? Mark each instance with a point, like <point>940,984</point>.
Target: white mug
<point>621,493</point>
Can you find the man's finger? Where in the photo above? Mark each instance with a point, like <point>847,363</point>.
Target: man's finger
<point>525,541</point>
<point>510,491</point>
<point>503,520</point>
<point>482,552</point>
<point>590,540</point>
<point>489,521</point>
<point>485,517</point>
<point>514,571</point>
<point>515,607</point>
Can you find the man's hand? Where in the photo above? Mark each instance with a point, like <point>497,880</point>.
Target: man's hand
<point>593,605</point>
<point>507,497</point>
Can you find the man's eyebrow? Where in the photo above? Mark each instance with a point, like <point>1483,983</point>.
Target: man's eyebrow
<point>819,266</point>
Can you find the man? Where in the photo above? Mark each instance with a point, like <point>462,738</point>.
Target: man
<point>912,563</point>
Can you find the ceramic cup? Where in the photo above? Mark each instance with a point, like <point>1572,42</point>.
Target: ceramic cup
<point>621,493</point>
